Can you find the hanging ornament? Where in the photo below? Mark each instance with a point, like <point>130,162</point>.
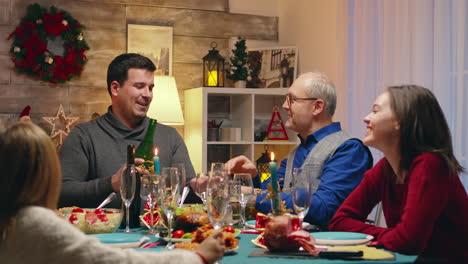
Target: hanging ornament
<point>30,52</point>
<point>61,125</point>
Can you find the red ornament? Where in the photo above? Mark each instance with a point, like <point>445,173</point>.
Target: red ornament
<point>276,130</point>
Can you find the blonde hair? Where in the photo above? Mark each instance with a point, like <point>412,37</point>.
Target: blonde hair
<point>30,172</point>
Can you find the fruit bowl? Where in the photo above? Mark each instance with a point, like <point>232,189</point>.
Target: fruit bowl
<point>93,221</point>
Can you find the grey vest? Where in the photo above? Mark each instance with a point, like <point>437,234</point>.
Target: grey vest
<point>314,161</point>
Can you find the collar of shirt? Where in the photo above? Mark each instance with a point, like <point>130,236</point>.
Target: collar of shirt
<point>309,143</point>
<point>118,129</point>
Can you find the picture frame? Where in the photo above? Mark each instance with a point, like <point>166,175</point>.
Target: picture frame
<point>154,42</point>
<point>272,67</point>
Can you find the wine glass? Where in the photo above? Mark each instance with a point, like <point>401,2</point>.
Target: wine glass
<point>182,179</point>
<point>217,169</point>
<point>242,184</point>
<point>217,200</point>
<point>301,193</point>
<point>127,190</point>
<point>149,192</point>
<point>170,194</point>
<point>199,189</point>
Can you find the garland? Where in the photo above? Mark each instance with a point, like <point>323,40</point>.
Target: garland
<point>29,50</point>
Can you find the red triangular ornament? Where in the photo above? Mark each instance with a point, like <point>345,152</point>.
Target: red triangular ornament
<point>276,130</point>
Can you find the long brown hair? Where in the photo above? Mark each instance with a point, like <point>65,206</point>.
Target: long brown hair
<point>423,127</point>
<point>30,172</point>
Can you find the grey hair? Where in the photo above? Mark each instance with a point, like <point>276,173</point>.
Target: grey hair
<point>318,85</point>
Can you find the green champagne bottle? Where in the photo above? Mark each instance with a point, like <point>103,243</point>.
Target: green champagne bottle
<point>144,151</point>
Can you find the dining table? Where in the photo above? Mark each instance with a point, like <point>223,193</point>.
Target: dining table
<point>245,249</point>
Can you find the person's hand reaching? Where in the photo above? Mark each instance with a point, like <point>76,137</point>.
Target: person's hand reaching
<point>212,248</point>
<point>240,164</point>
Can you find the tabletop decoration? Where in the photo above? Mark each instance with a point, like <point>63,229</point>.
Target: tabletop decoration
<point>239,70</point>
<point>30,52</point>
<point>276,130</point>
<point>157,165</point>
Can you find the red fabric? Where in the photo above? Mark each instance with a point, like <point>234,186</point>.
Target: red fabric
<point>25,111</point>
<point>427,215</point>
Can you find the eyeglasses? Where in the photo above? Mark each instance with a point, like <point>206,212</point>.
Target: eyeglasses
<point>291,99</point>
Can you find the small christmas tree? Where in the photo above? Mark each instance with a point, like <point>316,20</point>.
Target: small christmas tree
<point>239,69</point>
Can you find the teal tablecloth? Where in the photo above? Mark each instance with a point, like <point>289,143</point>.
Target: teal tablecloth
<point>246,247</point>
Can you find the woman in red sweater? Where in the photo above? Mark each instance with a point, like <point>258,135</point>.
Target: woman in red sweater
<point>424,203</point>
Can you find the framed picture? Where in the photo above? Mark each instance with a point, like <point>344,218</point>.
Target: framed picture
<point>154,42</point>
<point>272,67</point>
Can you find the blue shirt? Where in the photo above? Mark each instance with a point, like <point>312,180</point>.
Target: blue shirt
<point>341,174</point>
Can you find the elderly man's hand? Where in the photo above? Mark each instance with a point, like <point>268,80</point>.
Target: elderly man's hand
<point>241,164</point>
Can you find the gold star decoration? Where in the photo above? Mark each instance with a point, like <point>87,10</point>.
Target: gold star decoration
<point>61,125</point>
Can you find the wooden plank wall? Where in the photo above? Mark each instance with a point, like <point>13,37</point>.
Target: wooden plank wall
<point>196,24</point>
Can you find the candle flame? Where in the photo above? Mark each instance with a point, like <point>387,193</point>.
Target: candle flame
<point>272,156</point>
<point>155,151</point>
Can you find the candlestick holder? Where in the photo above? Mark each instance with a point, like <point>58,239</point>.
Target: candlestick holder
<point>278,206</point>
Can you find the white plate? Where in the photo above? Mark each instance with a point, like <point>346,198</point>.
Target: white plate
<point>251,224</point>
<point>231,251</point>
<point>341,238</point>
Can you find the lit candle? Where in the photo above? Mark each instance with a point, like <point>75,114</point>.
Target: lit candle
<point>157,167</point>
<point>212,78</point>
<point>274,183</point>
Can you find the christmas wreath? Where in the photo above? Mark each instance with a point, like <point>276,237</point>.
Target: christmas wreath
<point>29,50</point>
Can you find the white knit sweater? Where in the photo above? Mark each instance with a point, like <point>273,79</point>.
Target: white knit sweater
<point>43,237</point>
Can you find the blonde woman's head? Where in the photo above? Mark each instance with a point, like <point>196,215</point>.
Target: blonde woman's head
<point>29,168</point>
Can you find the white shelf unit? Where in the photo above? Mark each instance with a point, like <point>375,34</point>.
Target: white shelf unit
<point>246,108</point>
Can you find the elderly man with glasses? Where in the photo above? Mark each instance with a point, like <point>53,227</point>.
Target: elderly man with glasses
<point>334,160</point>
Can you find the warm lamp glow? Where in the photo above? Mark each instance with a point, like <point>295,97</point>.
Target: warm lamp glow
<point>165,106</point>
<point>213,78</point>
<point>272,156</point>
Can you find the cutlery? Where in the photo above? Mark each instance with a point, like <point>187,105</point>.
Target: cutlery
<point>184,195</point>
<point>107,200</point>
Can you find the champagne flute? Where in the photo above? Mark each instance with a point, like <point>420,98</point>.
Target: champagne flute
<point>217,169</point>
<point>246,190</point>
<point>182,178</point>
<point>169,189</point>
<point>217,200</point>
<point>149,192</point>
<point>199,189</point>
<point>301,193</point>
<point>127,191</point>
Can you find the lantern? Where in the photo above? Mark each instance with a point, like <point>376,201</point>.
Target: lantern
<point>262,165</point>
<point>284,69</point>
<point>213,68</point>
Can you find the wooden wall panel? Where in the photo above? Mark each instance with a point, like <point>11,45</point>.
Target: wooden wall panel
<point>196,24</point>
<point>4,12</point>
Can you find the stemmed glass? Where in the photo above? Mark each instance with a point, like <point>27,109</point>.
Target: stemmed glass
<point>199,189</point>
<point>149,192</point>
<point>182,178</point>
<point>217,169</point>
<point>170,194</point>
<point>242,184</point>
<point>217,200</point>
<point>127,191</point>
<point>301,193</point>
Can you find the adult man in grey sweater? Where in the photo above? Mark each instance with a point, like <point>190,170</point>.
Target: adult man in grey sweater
<point>94,152</point>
